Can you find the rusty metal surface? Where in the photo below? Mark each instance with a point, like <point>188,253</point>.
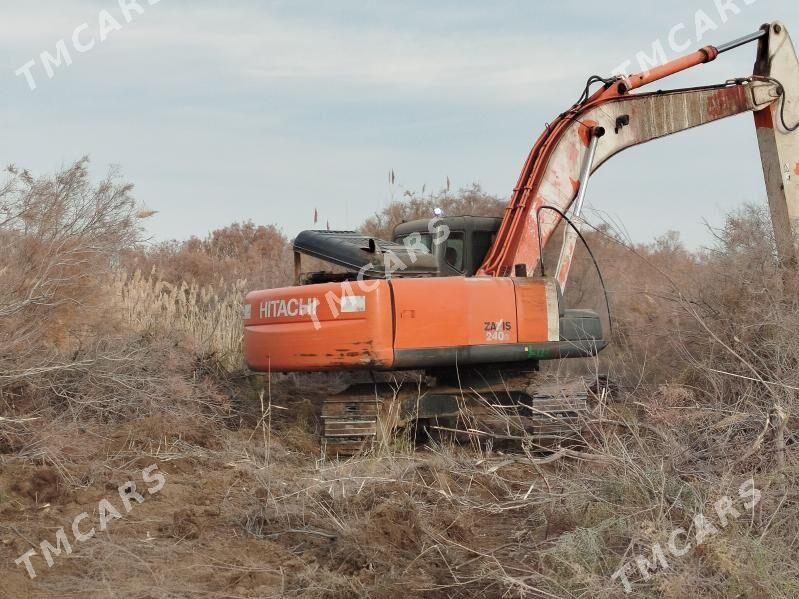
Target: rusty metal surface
<point>550,176</point>
<point>651,116</point>
<point>779,147</point>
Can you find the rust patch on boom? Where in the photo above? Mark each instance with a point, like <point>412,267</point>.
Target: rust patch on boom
<point>584,131</point>
<point>763,119</point>
<point>726,101</point>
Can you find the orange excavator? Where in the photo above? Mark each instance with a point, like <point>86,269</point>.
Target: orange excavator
<point>466,300</point>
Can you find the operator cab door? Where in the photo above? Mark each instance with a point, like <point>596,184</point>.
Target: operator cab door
<point>465,248</point>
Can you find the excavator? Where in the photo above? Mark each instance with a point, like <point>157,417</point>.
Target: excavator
<point>465,304</point>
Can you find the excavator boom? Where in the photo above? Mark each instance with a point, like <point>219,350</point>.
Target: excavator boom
<point>551,177</point>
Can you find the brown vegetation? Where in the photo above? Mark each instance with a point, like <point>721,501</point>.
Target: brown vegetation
<point>259,254</point>
<point>114,357</point>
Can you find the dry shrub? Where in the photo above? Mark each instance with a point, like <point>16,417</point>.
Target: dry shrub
<point>643,284</point>
<point>676,313</point>
<point>708,337</point>
<point>261,254</point>
<point>83,344</point>
<point>60,238</point>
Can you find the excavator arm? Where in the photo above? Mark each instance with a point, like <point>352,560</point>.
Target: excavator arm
<point>579,141</point>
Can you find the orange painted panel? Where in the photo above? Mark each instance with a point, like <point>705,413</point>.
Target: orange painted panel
<point>536,305</point>
<point>332,326</point>
<point>454,312</point>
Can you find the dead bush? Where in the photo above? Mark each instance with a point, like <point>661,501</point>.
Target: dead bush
<point>60,238</point>
<point>259,254</point>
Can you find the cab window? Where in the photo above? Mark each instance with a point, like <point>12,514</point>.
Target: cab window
<point>454,254</point>
<point>414,239</point>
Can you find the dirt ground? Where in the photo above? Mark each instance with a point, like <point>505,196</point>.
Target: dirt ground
<point>186,540</point>
<point>248,508</point>
<point>249,511</point>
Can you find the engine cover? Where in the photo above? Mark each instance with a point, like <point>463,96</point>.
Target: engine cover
<point>412,323</point>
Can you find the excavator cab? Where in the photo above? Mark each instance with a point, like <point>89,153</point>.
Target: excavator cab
<point>465,241</point>
<point>441,247</point>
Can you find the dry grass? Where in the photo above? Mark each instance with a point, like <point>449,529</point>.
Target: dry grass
<point>208,317</point>
<point>122,370</point>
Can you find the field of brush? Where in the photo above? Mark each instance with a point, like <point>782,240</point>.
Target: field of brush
<point>121,360</point>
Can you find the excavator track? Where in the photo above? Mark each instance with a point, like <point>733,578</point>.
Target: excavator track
<point>542,416</point>
<point>349,420</point>
<point>512,411</point>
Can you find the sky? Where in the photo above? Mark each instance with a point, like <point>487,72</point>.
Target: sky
<point>267,111</point>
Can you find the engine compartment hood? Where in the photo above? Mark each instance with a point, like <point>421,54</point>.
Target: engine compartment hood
<point>374,258</point>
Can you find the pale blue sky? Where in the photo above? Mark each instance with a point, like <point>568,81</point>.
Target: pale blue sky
<point>223,111</point>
